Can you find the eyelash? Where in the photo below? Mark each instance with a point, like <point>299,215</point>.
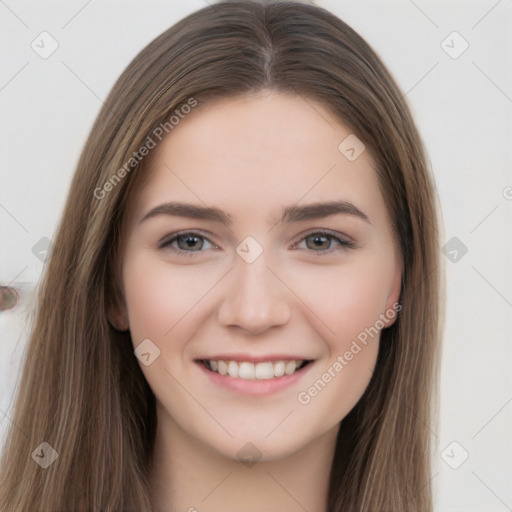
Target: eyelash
<point>343,243</point>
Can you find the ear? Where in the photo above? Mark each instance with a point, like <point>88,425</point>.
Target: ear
<point>116,312</point>
<point>118,319</point>
<point>393,305</point>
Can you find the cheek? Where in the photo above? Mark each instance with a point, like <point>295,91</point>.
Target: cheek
<point>349,312</point>
<point>160,299</point>
<point>345,300</point>
<point>345,303</point>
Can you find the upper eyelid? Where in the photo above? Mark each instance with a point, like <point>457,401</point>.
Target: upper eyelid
<point>173,236</point>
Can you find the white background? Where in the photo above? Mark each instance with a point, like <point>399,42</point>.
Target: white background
<point>463,107</point>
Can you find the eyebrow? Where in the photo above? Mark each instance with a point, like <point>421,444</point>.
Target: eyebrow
<point>292,213</point>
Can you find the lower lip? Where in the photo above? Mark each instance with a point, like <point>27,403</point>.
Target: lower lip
<point>255,386</point>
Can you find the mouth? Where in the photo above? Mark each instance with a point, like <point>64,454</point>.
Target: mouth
<point>254,371</point>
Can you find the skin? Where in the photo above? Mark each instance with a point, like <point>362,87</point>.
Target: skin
<point>252,156</point>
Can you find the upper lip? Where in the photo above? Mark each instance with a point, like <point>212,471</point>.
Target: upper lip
<point>253,358</point>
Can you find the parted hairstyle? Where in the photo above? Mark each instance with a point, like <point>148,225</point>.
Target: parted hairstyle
<point>81,389</point>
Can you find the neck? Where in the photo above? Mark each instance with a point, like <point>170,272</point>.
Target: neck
<point>189,476</point>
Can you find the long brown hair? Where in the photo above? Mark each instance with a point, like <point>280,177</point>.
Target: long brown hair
<point>82,390</point>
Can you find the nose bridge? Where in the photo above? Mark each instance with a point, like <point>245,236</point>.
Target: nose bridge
<point>254,299</point>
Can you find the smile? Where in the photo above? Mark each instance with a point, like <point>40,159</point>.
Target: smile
<point>246,370</point>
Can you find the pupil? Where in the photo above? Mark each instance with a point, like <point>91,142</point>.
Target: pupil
<point>190,241</point>
<point>320,242</point>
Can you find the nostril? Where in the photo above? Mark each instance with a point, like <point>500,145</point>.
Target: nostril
<point>9,298</point>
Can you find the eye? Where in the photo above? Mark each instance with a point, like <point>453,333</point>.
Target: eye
<point>187,242</point>
<point>325,242</point>
<point>191,243</point>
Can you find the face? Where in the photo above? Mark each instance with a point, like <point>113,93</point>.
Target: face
<point>258,269</point>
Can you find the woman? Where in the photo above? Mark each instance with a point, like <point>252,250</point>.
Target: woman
<point>241,311</point>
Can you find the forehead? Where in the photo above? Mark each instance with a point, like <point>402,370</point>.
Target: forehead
<point>259,152</point>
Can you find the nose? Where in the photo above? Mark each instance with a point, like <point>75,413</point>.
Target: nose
<point>254,299</point>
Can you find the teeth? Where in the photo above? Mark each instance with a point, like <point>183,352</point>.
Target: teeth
<point>223,368</point>
<point>250,371</point>
<point>264,371</point>
<point>279,368</point>
<point>233,369</point>
<point>290,367</point>
<point>246,371</point>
